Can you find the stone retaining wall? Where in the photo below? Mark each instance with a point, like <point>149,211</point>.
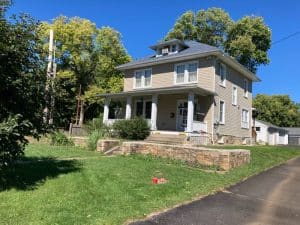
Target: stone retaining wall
<point>225,159</point>
<point>104,145</point>
<point>80,141</point>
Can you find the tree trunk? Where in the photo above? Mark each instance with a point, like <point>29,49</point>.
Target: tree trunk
<point>81,116</point>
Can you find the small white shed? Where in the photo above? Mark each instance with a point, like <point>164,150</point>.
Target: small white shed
<point>267,133</point>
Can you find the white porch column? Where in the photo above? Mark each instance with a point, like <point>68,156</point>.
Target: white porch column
<point>106,110</point>
<point>128,108</point>
<point>190,113</point>
<point>154,112</point>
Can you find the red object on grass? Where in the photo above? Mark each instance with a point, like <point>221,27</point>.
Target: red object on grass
<point>154,180</point>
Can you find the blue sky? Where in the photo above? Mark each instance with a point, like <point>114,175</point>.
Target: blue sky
<point>143,23</point>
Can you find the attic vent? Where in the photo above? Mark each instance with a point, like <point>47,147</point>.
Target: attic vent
<point>165,51</point>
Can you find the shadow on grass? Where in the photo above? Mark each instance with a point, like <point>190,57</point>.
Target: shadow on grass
<point>31,172</point>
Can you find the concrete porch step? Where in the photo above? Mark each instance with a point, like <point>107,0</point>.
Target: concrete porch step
<point>166,138</point>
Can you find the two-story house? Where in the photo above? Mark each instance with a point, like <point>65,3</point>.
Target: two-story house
<point>187,87</point>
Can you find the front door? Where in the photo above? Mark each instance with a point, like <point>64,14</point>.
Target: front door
<point>181,119</point>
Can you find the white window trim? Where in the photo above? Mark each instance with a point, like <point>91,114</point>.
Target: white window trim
<point>247,87</point>
<point>242,122</point>
<point>234,88</point>
<point>144,101</point>
<point>224,112</point>
<point>186,78</point>
<point>143,79</point>
<point>223,83</point>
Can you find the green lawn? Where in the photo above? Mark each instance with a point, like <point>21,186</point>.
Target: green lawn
<point>67,185</point>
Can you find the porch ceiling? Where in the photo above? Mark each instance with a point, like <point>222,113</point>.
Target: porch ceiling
<point>165,90</point>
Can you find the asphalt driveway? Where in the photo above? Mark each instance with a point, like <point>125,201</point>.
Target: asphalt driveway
<point>270,198</point>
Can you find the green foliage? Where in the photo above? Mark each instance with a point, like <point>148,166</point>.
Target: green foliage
<point>133,129</point>
<point>279,110</point>
<point>22,83</point>
<point>206,26</point>
<point>184,28</point>
<point>60,139</point>
<point>247,40</point>
<point>12,139</point>
<point>65,102</point>
<point>89,57</point>
<point>93,138</point>
<point>96,130</point>
<point>94,124</point>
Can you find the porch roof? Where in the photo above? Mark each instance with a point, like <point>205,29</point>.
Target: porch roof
<point>164,90</point>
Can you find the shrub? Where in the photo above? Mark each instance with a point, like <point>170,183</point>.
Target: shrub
<point>59,138</point>
<point>93,138</point>
<point>94,124</point>
<point>12,138</point>
<point>133,129</point>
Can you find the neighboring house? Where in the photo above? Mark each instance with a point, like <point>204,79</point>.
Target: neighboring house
<point>267,133</point>
<point>294,135</point>
<point>186,87</point>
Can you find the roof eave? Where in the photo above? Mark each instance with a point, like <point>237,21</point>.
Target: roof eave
<point>166,60</point>
<point>235,64</point>
<point>164,90</point>
<point>231,61</point>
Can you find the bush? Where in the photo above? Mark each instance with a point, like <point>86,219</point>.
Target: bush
<point>134,129</point>
<point>12,138</point>
<point>95,124</point>
<point>94,136</point>
<point>59,138</point>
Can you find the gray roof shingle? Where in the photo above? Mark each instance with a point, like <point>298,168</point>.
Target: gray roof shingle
<point>293,130</point>
<point>194,47</point>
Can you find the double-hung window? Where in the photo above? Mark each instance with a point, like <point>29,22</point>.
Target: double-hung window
<point>186,73</point>
<point>222,73</point>
<point>143,78</point>
<point>143,108</point>
<point>180,73</point>
<point>245,118</point>
<point>222,112</point>
<point>246,88</point>
<point>234,95</point>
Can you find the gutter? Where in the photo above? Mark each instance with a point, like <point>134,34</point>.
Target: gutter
<point>165,60</point>
<point>235,64</point>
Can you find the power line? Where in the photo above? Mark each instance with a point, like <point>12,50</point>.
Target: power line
<point>285,38</point>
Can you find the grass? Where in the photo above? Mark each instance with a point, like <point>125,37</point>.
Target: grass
<point>68,185</point>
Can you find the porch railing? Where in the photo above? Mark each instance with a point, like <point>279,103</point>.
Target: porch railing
<point>112,121</point>
<point>199,126</point>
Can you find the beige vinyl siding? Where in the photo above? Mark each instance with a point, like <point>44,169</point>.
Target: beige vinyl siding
<point>167,104</point>
<point>206,73</point>
<point>233,114</point>
<point>128,80</point>
<point>206,107</point>
<point>163,74</point>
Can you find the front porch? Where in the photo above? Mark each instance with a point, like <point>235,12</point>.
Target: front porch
<point>184,111</point>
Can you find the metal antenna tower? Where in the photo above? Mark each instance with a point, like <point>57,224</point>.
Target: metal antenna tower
<point>50,89</point>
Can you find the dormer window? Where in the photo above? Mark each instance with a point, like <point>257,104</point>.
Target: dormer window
<point>165,51</point>
<point>173,48</point>
<point>169,47</point>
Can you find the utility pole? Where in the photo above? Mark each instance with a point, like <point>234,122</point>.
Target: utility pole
<point>78,110</point>
<point>51,74</point>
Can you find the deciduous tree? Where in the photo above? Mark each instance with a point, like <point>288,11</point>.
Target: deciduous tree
<point>90,55</point>
<point>22,84</point>
<point>247,40</point>
<point>279,110</point>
